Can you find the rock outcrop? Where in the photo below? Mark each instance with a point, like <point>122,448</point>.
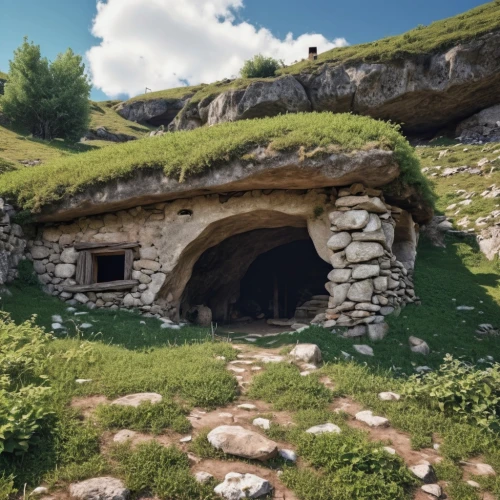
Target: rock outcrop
<point>423,93</point>
<point>153,111</point>
<point>481,127</point>
<point>102,134</point>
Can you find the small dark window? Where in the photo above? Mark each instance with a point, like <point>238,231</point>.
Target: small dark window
<point>109,267</point>
<point>185,211</point>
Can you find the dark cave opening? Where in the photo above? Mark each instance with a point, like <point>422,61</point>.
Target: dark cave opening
<point>264,273</point>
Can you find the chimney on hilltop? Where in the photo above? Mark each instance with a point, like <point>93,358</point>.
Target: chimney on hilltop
<point>313,53</point>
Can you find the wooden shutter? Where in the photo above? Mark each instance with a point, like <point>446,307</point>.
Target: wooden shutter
<point>84,268</point>
<point>129,260</point>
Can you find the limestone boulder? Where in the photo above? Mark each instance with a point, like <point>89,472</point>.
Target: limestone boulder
<point>283,95</point>
<point>425,472</point>
<point>361,291</point>
<point>419,346</point>
<point>65,270</point>
<point>235,440</point>
<point>309,353</point>
<point>135,400</point>
<point>359,251</point>
<point>237,486</point>
<point>370,419</point>
<point>99,488</point>
<point>69,256</point>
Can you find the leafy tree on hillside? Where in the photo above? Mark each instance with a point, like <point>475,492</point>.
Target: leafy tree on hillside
<point>51,99</point>
<point>260,67</point>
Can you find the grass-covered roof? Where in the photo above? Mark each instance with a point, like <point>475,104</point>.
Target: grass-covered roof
<point>183,154</point>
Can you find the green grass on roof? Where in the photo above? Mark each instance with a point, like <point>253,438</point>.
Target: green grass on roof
<point>183,154</point>
<point>421,40</point>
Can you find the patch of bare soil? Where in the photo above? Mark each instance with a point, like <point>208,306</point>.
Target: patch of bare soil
<point>87,404</point>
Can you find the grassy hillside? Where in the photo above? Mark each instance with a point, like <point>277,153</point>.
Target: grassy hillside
<point>185,153</point>
<point>104,115</point>
<point>421,40</point>
<point>451,198</point>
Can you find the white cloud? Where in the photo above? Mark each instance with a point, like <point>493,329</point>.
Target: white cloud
<point>164,43</point>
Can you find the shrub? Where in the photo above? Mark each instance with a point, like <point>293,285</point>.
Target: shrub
<point>22,394</point>
<point>460,390</point>
<point>260,67</point>
<point>6,487</point>
<point>146,417</point>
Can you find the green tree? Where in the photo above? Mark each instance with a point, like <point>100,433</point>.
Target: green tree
<point>260,67</point>
<point>51,99</point>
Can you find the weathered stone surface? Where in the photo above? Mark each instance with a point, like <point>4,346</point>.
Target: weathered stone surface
<point>380,283</point>
<point>378,236</point>
<point>136,399</point>
<point>237,486</point>
<point>351,201</point>
<point>389,396</point>
<point>353,219</point>
<point>375,205</point>
<point>80,297</point>
<point>339,241</point>
<point>378,331</point>
<point>356,331</point>
<point>124,435</point>
<point>340,293</point>
<point>99,488</point>
<point>418,345</point>
<point>283,95</point>
<point>263,423</point>
<point>361,291</point>
<point>203,477</point>
<point>432,489</point>
<point>69,256</point>
<point>364,271</point>
<point>359,251</point>
<point>235,440</point>
<point>340,275</point>
<point>153,111</point>
<point>425,472</point>
<point>364,349</point>
<point>338,260</point>
<point>40,252</point>
<point>324,428</point>
<point>483,126</point>
<point>368,418</point>
<point>374,223</point>
<point>64,270</point>
<point>309,353</point>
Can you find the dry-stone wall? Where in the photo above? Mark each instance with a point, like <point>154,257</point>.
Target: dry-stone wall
<point>12,244</point>
<point>367,281</point>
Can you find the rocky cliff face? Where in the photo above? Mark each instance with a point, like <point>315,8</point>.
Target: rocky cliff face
<point>424,94</point>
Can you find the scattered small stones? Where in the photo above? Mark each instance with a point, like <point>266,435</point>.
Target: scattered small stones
<point>203,477</point>
<point>101,488</point>
<point>364,349</point>
<point>237,486</point>
<point>263,423</point>
<point>432,489</point>
<point>324,428</point>
<point>289,455</point>
<point>373,421</point>
<point>389,396</point>
<point>424,472</point>
<point>136,399</point>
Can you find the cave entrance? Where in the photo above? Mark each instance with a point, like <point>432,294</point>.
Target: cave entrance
<point>259,274</point>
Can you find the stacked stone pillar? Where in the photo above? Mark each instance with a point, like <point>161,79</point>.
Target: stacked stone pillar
<point>12,244</point>
<point>367,281</point>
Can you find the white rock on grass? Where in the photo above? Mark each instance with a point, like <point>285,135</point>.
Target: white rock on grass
<point>309,353</point>
<point>484,470</point>
<point>57,326</point>
<point>235,369</point>
<point>364,349</point>
<point>235,440</point>
<point>389,396</point>
<point>40,490</point>
<point>124,435</point>
<point>186,439</point>
<point>56,318</point>
<point>424,472</point>
<point>170,326</point>
<point>247,406</point>
<point>85,326</point>
<point>418,346</point>
<point>390,450</point>
<point>289,455</point>
<point>99,488</point>
<point>71,309</point>
<point>474,484</point>
<point>136,399</point>
<point>432,489</point>
<point>370,419</point>
<point>80,313</point>
<point>83,380</point>
<point>237,486</point>
<point>324,428</point>
<point>263,423</point>
<point>465,308</point>
<point>203,477</point>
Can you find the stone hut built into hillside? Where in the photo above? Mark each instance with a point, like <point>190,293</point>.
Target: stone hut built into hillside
<point>282,236</point>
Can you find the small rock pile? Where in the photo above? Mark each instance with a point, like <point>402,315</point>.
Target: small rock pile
<point>367,282</point>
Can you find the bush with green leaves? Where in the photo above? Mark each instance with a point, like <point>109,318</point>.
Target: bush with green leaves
<point>23,390</point>
<point>6,486</point>
<point>260,67</point>
<point>460,390</point>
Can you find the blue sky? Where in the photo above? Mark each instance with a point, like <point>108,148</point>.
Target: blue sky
<point>143,59</point>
